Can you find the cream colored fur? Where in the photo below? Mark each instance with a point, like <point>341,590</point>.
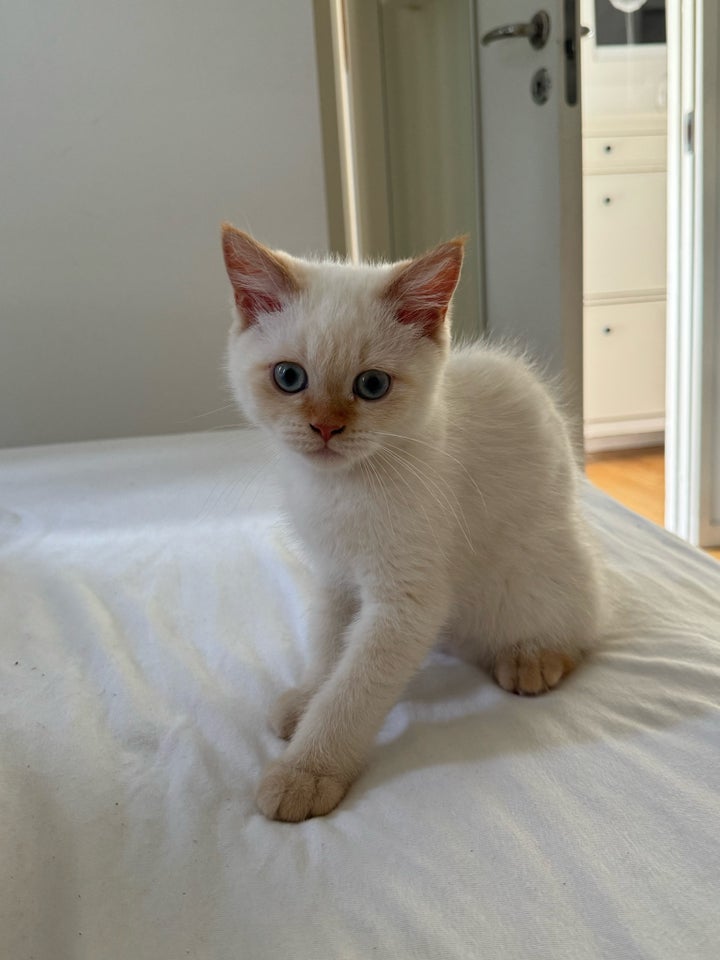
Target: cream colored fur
<point>449,514</point>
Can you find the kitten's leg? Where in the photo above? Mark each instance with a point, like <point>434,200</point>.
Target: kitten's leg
<point>549,618</point>
<point>386,645</point>
<point>329,618</point>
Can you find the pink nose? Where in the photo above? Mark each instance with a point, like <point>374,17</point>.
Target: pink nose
<point>326,430</point>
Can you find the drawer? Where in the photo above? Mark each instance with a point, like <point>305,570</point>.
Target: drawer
<point>624,154</point>
<point>624,234</point>
<point>624,361</point>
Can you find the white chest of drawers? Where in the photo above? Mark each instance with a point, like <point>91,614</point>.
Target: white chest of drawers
<point>624,214</point>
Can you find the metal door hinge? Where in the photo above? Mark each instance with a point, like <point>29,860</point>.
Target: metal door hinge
<point>689,131</point>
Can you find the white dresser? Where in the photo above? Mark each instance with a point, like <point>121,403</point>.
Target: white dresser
<point>624,212</point>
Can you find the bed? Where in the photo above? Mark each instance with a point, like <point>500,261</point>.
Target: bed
<point>152,605</point>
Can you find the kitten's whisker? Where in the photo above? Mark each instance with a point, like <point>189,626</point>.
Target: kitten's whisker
<point>440,484</point>
<point>199,416</point>
<point>399,436</point>
<point>398,473</point>
<point>373,476</point>
<point>461,522</point>
<point>437,481</point>
<point>223,426</point>
<point>212,500</point>
<point>221,493</point>
<point>264,467</point>
<point>401,452</point>
<point>445,454</point>
<point>436,493</point>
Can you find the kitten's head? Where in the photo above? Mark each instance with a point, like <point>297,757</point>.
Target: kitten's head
<point>337,360</point>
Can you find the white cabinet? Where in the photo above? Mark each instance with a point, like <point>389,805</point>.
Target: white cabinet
<point>624,235</point>
<point>622,153</point>
<point>624,360</point>
<point>624,214</point>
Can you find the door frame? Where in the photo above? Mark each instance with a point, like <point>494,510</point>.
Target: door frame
<point>358,52</point>
<point>693,296</point>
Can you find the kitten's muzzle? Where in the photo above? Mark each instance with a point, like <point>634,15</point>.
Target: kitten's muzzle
<point>326,430</point>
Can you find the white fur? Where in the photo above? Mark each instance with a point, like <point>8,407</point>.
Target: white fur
<point>452,515</point>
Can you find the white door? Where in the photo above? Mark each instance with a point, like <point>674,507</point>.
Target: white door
<point>532,184</point>
<point>692,436</point>
<point>454,135</point>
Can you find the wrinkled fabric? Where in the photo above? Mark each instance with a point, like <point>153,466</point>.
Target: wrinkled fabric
<point>152,605</point>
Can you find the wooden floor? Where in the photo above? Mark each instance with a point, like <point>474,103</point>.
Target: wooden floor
<point>636,478</point>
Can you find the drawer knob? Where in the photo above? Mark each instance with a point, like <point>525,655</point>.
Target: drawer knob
<point>607,148</point>
<point>607,330</point>
<point>607,201</point>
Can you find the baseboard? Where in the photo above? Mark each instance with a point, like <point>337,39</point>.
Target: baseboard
<point>624,434</point>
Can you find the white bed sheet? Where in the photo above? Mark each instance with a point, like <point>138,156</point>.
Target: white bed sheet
<point>152,605</point>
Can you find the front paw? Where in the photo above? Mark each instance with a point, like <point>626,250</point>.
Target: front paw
<point>530,672</point>
<point>293,793</point>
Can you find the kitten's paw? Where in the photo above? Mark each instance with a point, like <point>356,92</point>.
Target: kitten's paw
<point>293,794</point>
<point>288,711</point>
<point>530,672</point>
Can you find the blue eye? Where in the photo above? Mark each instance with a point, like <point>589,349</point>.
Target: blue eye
<point>371,385</point>
<point>290,377</point>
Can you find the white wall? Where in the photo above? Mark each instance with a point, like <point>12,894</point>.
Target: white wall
<point>128,131</point>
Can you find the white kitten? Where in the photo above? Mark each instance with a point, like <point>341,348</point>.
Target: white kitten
<point>435,490</point>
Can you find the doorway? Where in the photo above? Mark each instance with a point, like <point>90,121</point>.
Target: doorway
<point>624,139</point>
<point>624,133</point>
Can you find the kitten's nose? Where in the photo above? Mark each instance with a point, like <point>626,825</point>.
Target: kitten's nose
<point>326,430</point>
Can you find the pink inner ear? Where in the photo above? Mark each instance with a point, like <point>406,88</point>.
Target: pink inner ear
<point>252,304</point>
<point>422,290</point>
<point>259,280</point>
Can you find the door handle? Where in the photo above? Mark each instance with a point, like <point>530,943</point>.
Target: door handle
<point>537,31</point>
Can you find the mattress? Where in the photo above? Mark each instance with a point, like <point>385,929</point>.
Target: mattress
<point>153,604</point>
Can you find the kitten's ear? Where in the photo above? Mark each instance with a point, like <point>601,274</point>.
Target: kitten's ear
<point>261,282</point>
<point>420,291</point>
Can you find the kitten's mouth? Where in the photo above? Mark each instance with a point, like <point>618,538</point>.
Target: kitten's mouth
<point>324,453</point>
